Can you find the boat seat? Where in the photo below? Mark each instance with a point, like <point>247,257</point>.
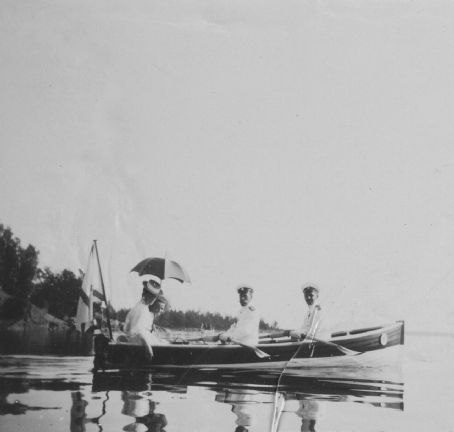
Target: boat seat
<point>340,333</point>
<point>364,330</point>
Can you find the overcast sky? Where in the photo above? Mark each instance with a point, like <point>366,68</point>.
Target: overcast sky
<point>273,143</point>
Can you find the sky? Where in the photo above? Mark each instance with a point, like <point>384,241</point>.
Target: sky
<point>269,143</point>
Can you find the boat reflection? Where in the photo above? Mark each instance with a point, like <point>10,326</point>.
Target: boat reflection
<point>248,393</point>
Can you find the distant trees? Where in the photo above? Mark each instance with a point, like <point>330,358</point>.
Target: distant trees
<point>18,265</point>
<point>119,315</point>
<point>59,292</point>
<point>176,319</point>
<point>190,319</point>
<point>25,282</point>
<point>193,319</point>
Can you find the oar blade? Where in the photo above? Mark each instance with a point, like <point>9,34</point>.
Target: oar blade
<point>258,352</point>
<point>261,354</point>
<point>347,351</point>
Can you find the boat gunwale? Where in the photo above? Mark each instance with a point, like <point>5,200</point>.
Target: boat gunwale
<point>348,338</point>
<point>385,328</point>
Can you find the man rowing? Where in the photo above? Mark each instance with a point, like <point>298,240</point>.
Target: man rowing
<point>314,323</point>
<point>246,327</point>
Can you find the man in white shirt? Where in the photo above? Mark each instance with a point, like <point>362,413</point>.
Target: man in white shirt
<point>314,323</point>
<point>139,321</point>
<point>246,327</point>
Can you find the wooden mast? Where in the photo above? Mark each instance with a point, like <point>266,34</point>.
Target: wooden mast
<point>103,290</point>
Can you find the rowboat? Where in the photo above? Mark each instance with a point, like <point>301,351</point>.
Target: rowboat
<point>279,352</point>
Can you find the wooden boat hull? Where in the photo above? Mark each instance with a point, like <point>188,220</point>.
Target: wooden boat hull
<point>117,356</point>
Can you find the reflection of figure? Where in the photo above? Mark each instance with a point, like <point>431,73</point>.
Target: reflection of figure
<point>246,327</point>
<point>78,415</point>
<point>309,411</point>
<point>241,401</point>
<point>143,410</point>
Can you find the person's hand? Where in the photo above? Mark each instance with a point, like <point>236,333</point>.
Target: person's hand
<point>295,334</point>
<point>150,353</point>
<point>224,338</point>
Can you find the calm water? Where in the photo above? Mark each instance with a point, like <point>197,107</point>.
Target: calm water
<point>61,394</point>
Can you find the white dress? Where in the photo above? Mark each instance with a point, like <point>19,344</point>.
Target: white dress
<point>138,324</point>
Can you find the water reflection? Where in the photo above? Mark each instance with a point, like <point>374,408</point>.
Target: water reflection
<point>191,399</point>
<point>8,387</point>
<point>241,401</point>
<point>143,410</point>
<point>310,411</point>
<point>78,415</point>
<point>247,393</point>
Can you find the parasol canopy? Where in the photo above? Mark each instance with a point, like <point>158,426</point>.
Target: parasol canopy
<point>162,268</point>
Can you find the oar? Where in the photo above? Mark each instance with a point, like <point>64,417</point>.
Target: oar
<point>162,329</point>
<point>258,352</point>
<point>284,333</point>
<point>203,339</point>
<point>341,348</point>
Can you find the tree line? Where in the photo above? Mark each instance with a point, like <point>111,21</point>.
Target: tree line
<point>26,283</point>
<point>177,319</point>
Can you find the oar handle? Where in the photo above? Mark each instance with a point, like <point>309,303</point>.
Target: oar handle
<point>203,339</point>
<point>284,333</point>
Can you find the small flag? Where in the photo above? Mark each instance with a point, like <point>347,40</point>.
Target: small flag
<point>90,289</point>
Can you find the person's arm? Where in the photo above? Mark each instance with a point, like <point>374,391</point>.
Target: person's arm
<point>295,334</point>
<point>227,335</point>
<point>127,325</point>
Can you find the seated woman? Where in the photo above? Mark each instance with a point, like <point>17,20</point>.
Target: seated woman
<point>139,321</point>
<point>157,308</point>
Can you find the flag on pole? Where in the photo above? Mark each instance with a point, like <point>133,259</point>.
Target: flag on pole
<point>90,292</point>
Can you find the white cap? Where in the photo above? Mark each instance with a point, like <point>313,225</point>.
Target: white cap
<point>147,277</point>
<point>310,287</point>
<point>244,287</point>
